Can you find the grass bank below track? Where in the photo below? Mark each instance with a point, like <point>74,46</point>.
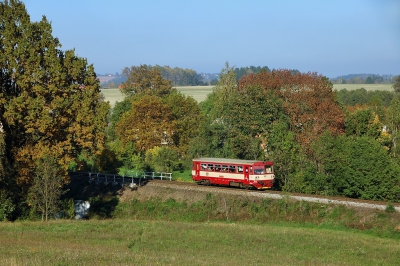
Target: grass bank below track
<point>141,242</point>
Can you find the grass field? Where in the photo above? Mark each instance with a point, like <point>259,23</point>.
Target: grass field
<point>368,87</point>
<point>199,93</point>
<point>135,242</point>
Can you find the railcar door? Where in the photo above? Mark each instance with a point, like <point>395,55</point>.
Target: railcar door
<point>197,169</point>
<point>246,169</point>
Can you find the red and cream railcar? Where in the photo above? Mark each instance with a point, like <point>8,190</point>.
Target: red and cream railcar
<point>233,172</point>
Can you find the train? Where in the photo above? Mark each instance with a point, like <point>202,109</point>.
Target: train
<point>249,174</point>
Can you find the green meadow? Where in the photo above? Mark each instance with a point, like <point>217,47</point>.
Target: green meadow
<point>136,242</point>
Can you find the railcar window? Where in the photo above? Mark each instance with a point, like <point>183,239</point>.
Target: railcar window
<point>240,169</point>
<point>224,168</point>
<point>232,169</point>
<point>210,167</point>
<point>259,170</point>
<point>268,169</point>
<point>217,167</point>
<point>203,167</point>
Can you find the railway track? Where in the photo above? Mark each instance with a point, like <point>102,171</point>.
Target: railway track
<point>352,203</point>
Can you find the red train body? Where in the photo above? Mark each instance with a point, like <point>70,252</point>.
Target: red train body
<point>233,172</point>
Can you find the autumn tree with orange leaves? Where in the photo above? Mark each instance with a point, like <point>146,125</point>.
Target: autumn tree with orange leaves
<point>308,101</point>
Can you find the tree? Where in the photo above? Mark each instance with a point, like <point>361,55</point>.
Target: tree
<point>396,85</point>
<point>187,116</point>
<point>307,100</point>
<point>393,116</point>
<point>47,186</point>
<point>49,99</point>
<point>145,79</point>
<point>149,123</point>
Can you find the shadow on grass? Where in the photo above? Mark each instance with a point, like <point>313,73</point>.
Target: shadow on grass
<point>103,198</point>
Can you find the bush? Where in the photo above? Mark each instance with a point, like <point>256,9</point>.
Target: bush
<point>7,207</point>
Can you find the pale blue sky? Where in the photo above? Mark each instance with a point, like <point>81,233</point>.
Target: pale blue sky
<point>331,38</point>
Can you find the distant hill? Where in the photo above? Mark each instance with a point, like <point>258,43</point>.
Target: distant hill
<point>105,78</point>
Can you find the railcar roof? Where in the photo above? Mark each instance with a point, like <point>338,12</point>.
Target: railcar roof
<point>225,160</point>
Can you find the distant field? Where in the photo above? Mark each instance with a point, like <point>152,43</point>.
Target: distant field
<point>112,95</point>
<point>368,87</point>
<point>199,93</point>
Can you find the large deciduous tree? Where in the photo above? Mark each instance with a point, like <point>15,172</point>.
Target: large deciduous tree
<point>148,124</point>
<point>49,99</point>
<point>145,79</point>
<point>308,101</point>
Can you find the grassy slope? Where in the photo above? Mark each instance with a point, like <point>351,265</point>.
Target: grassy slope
<point>135,242</point>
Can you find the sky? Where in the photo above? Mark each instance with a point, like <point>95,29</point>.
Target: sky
<point>332,38</point>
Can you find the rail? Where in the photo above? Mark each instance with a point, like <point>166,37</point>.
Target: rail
<point>136,179</point>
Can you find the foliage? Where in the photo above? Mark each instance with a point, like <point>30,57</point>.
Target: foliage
<point>107,161</point>
<point>285,151</point>
<point>7,206</point>
<point>46,190</point>
<point>363,97</point>
<point>357,167</point>
<point>163,159</point>
<point>102,207</point>
<point>396,85</point>
<point>393,123</point>
<point>362,122</point>
<point>49,99</point>
<point>242,71</point>
<point>307,100</point>
<point>149,123</point>
<point>115,115</point>
<point>145,79</point>
<point>187,117</point>
<point>180,76</point>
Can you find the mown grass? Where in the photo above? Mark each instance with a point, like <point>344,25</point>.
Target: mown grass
<point>139,242</point>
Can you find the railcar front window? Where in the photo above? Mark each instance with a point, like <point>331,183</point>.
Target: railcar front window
<point>259,170</point>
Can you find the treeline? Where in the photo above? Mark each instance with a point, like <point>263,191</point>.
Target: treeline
<point>242,71</point>
<point>177,76</point>
<point>364,97</point>
<point>364,79</point>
